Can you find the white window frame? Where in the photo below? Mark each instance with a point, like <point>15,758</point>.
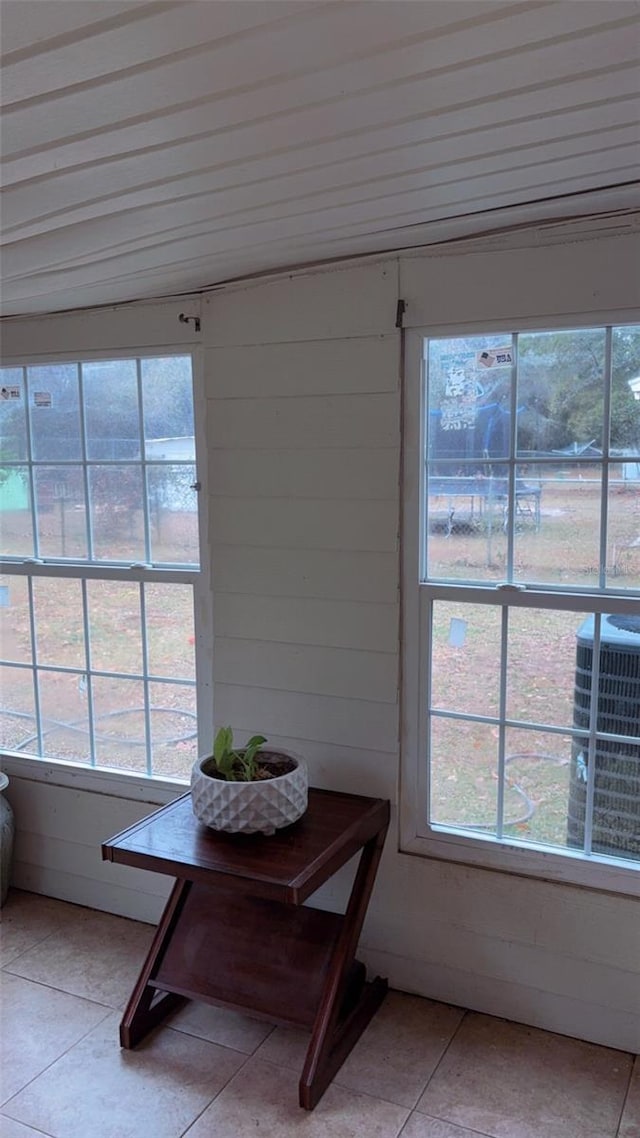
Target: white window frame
<point>416,836</point>
<point>153,342</point>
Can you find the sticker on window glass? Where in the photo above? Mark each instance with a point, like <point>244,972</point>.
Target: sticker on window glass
<point>457,632</point>
<point>458,407</point>
<point>11,392</point>
<point>42,398</point>
<point>496,357</point>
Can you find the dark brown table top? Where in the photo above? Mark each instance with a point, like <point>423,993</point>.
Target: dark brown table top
<point>286,866</point>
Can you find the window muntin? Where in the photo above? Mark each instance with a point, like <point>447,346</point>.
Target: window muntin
<point>531,482</point>
<point>100,549</point>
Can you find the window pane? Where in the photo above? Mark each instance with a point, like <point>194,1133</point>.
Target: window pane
<point>625,391</point>
<point>464,762</point>
<point>65,716</point>
<point>55,412</point>
<point>16,524</point>
<point>15,630</point>
<point>541,665</point>
<point>17,710</point>
<point>469,398</point>
<point>561,391</point>
<point>16,532</point>
<point>167,395</point>
<point>565,549</point>
<point>174,729</point>
<point>170,631</point>
<point>173,510</point>
<point>466,526</point>
<point>466,658</point>
<point>60,511</point>
<point>623,526</point>
<point>537,766</point>
<point>59,622</point>
<point>117,517</point>
<point>469,425</point>
<point>13,429</point>
<point>120,731</point>
<point>111,409</point>
<point>114,626</point>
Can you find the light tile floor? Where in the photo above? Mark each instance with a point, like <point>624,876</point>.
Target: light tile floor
<point>421,1070</point>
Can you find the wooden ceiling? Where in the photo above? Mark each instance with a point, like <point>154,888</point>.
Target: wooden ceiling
<point>155,148</point>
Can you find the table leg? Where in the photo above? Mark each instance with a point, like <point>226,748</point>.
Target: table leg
<point>142,1014</point>
<point>348,1002</point>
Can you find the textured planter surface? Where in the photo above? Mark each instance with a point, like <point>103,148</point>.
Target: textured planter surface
<point>249,807</point>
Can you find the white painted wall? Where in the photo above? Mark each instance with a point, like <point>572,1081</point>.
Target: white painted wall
<point>303,410</point>
<point>303,430</point>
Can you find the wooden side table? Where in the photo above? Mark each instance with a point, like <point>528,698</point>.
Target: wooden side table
<point>235,931</point>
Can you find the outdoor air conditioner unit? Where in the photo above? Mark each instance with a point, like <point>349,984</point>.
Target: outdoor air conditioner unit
<point>616,812</point>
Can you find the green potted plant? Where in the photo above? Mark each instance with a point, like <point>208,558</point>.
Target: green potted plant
<point>248,790</point>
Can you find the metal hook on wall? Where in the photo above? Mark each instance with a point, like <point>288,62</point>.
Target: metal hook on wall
<point>184,319</point>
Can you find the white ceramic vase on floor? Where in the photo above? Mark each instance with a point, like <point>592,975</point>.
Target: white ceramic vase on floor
<point>7,830</point>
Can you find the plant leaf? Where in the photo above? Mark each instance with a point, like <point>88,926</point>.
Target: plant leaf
<point>255,741</point>
<point>225,764</point>
<point>222,744</point>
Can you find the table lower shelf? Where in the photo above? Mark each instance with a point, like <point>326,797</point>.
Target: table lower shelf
<point>264,957</point>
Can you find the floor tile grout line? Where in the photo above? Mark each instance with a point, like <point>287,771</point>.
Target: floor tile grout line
<point>465,1013</point>
<point>36,1130</point>
<point>110,1011</point>
<point>404,1125</point>
<point>64,991</point>
<point>111,1008</point>
<point>424,1086</point>
<point>198,1116</point>
<point>24,951</point>
<point>206,1039</point>
<point>349,1090</point>
<point>336,1080</point>
<point>342,1087</point>
<point>379,1098</point>
<point>382,1098</point>
<point>626,1094</point>
<point>193,1122</point>
<point>434,1118</point>
<point>47,1067</point>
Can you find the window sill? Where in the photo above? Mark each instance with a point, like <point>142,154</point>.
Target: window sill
<point>112,783</point>
<point>611,875</point>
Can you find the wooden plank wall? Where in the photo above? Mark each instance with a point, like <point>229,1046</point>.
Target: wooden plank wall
<point>59,831</point>
<point>303,430</point>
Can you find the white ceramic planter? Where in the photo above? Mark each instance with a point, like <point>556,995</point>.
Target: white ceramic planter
<point>250,807</point>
